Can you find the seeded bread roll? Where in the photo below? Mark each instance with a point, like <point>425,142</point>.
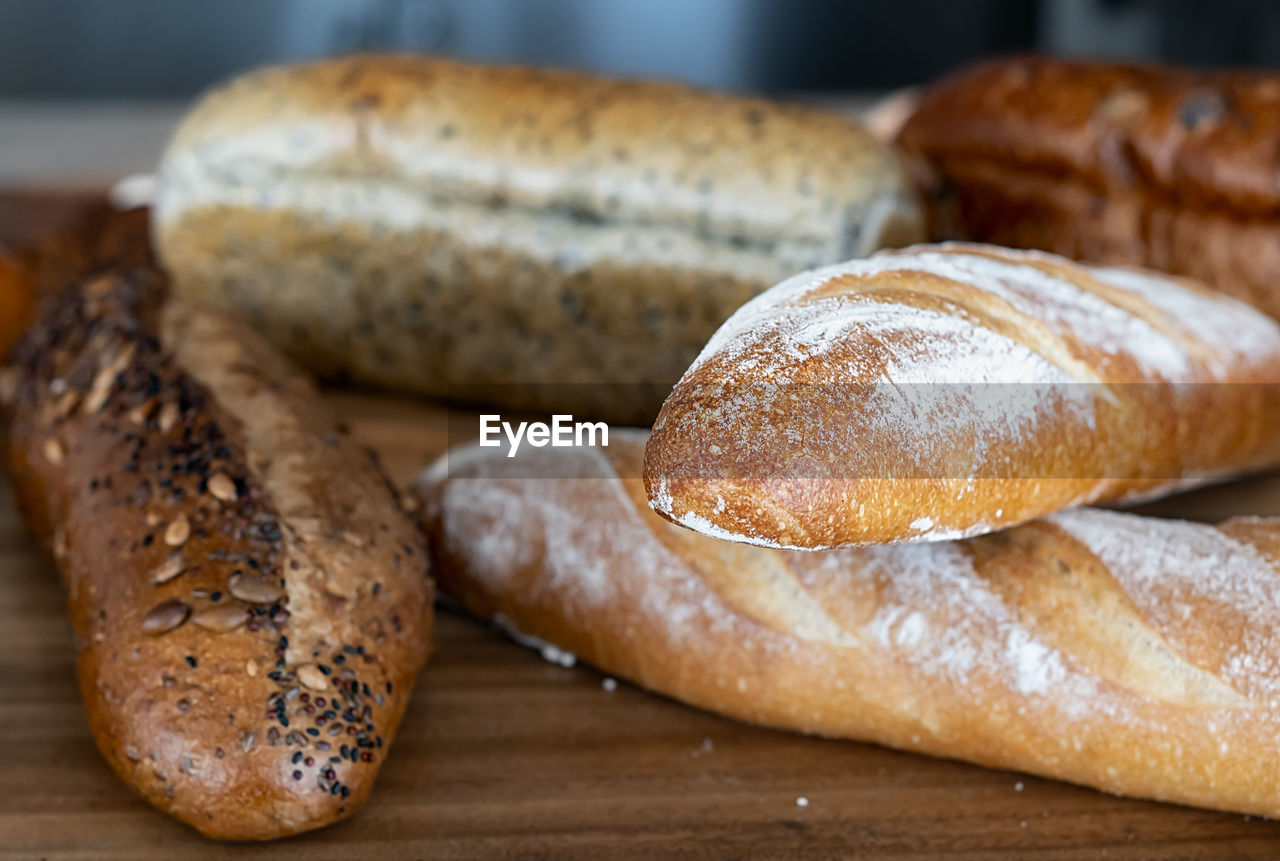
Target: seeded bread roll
<point>946,391</point>
<point>1170,168</point>
<point>250,606</point>
<point>1130,654</point>
<point>533,238</point>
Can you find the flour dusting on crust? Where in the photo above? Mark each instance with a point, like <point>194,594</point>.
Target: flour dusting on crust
<point>502,523</point>
<point>1232,333</point>
<point>1174,570</point>
<point>934,611</point>
<point>1068,308</point>
<point>1003,365</point>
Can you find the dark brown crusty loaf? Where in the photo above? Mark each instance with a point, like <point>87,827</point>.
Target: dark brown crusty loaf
<point>249,604</point>
<point>949,390</point>
<point>539,239</point>
<point>1131,654</point>
<point>1169,168</point>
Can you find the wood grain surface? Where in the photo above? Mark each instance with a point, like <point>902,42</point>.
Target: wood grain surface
<point>503,755</point>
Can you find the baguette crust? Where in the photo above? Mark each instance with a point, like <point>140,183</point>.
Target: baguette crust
<point>945,391</point>
<point>1169,168</point>
<point>250,606</point>
<point>525,236</point>
<point>1130,654</point>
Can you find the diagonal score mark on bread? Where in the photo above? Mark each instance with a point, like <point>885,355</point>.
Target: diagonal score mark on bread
<point>1082,608</point>
<point>250,384</point>
<point>1210,591</point>
<point>1127,288</point>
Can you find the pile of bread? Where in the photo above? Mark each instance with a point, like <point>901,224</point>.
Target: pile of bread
<point>857,513</point>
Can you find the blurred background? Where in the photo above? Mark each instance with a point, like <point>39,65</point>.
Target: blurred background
<point>89,87</point>
<point>132,48</point>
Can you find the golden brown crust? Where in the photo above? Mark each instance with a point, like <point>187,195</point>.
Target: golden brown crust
<point>1129,654</point>
<point>1169,168</point>
<point>529,237</point>
<point>945,391</point>
<point>250,606</point>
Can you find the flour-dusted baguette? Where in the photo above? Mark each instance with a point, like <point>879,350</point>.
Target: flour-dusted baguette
<point>945,391</point>
<point>535,238</point>
<point>1169,168</point>
<point>1131,654</point>
<point>250,606</point>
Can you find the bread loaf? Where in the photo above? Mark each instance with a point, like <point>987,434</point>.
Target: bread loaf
<point>250,607</point>
<point>1130,654</point>
<point>1169,168</point>
<point>946,391</point>
<point>533,238</point>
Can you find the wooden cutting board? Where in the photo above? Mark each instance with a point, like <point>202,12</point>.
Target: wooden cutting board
<point>505,755</point>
